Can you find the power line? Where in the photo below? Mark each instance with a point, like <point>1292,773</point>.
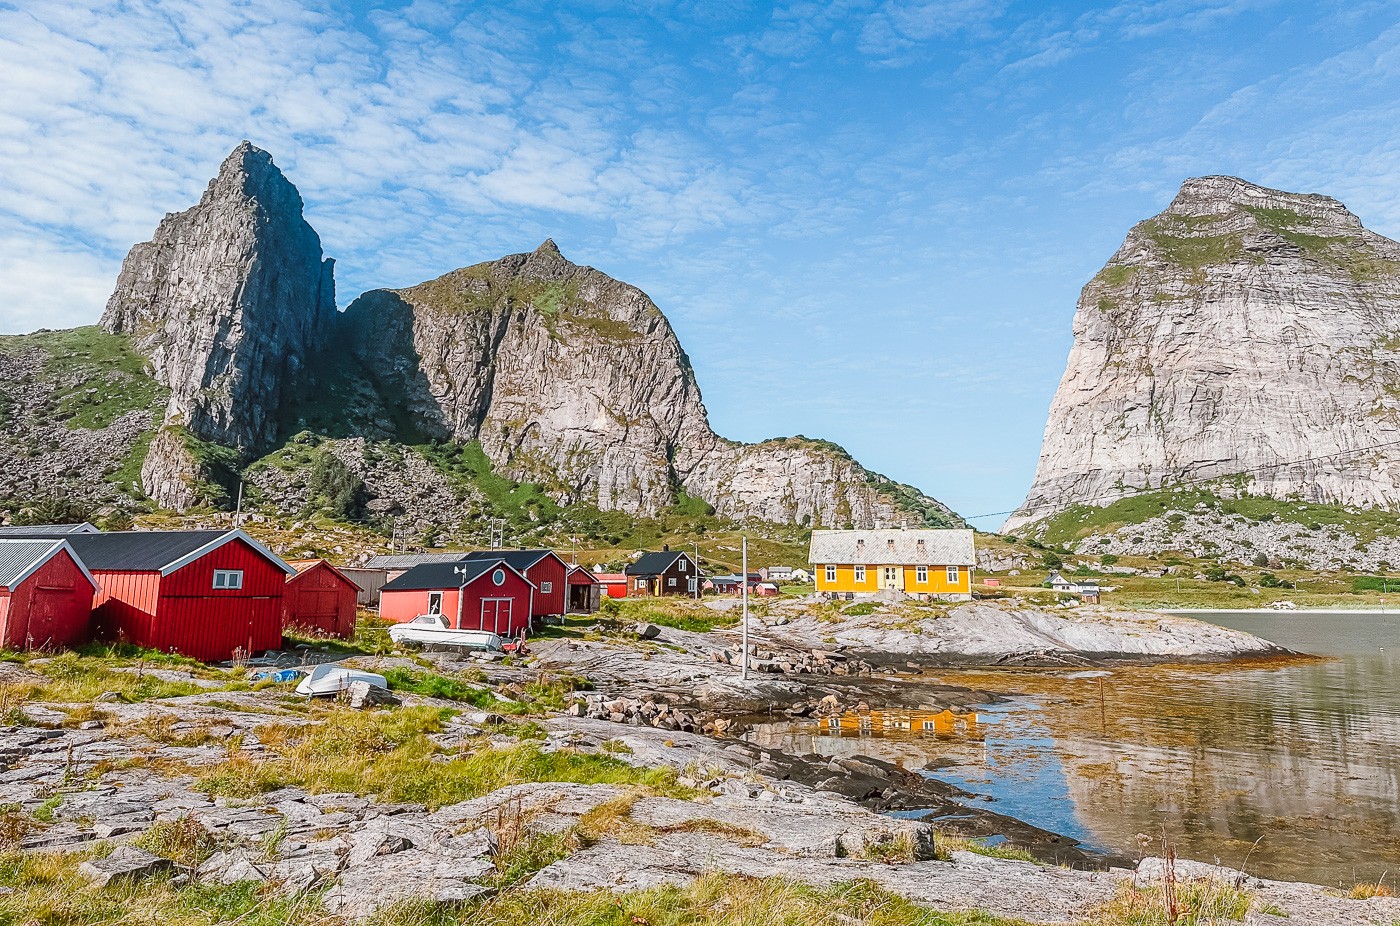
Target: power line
<point>1199,480</point>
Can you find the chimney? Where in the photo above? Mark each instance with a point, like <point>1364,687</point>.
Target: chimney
<point>904,525</point>
<point>665,548</point>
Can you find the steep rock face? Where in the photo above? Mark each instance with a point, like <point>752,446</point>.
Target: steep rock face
<point>576,381</point>
<point>1245,334</point>
<point>227,300</point>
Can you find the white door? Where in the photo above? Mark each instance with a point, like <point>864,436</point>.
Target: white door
<point>891,577</point>
<point>434,602</point>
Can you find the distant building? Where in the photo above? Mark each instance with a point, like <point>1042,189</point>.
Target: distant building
<point>319,599</point>
<point>45,594</point>
<point>1087,591</point>
<point>613,584</point>
<point>921,563</point>
<point>668,572</point>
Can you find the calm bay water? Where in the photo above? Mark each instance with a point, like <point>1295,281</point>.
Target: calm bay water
<point>1293,765</point>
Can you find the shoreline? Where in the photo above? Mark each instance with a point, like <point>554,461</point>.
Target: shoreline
<point>1193,611</point>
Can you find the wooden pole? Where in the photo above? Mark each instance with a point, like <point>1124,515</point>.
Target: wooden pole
<point>744,632</point>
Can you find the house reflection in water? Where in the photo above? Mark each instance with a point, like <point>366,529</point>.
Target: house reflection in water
<point>895,723</point>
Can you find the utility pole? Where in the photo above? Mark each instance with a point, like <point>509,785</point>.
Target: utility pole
<point>696,578</point>
<point>744,631</point>
<point>238,511</point>
<point>498,533</point>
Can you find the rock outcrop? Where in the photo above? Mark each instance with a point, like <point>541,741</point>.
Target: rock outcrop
<point>1246,335</point>
<point>227,300</point>
<point>575,381</point>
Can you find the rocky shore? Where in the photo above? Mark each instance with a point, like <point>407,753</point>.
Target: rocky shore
<point>634,784</point>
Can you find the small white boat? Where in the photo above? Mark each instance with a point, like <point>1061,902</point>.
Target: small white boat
<point>433,629</point>
<point>331,679</point>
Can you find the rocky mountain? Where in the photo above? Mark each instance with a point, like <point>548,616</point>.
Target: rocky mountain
<point>576,382</point>
<point>529,369</point>
<point>227,300</point>
<point>1245,339</point>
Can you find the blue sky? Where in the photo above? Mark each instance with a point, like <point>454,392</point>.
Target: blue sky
<point>868,220</point>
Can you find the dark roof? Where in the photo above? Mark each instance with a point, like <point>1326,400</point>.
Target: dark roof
<point>521,560</point>
<point>653,564</point>
<point>154,551</point>
<point>19,558</point>
<point>409,560</point>
<point>46,530</point>
<point>439,575</point>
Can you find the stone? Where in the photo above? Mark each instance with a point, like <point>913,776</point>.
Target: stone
<point>230,868</point>
<point>362,694</point>
<point>1233,297</point>
<point>126,863</point>
<point>648,631</point>
<point>238,279</point>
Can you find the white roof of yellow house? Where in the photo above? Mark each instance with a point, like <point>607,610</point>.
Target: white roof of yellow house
<point>893,548</point>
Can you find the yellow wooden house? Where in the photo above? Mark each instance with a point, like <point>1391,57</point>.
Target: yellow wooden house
<point>920,563</point>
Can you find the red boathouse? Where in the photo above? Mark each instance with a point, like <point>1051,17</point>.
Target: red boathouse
<point>207,594</point>
<point>319,599</point>
<point>585,591</point>
<point>474,595</point>
<point>45,595</point>
<point>545,570</point>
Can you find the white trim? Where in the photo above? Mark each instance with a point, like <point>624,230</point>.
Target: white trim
<point>227,585</point>
<point>921,574</point>
<point>481,619</point>
<point>493,567</point>
<point>439,594</point>
<point>235,534</point>
<point>49,554</point>
<point>953,574</point>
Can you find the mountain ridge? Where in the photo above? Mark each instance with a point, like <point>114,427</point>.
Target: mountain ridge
<point>564,377</point>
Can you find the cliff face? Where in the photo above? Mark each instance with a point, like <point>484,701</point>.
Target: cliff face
<point>1244,334</point>
<point>575,381</point>
<point>227,300</point>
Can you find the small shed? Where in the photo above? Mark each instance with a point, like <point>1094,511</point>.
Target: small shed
<point>476,595</point>
<point>45,594</point>
<point>319,599</point>
<point>585,591</point>
<point>614,584</point>
<point>369,581</point>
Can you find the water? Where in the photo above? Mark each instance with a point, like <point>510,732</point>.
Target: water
<point>1290,765</point>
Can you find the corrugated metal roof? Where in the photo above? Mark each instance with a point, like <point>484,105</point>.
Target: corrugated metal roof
<point>409,560</point>
<point>953,547</point>
<point>438,575</point>
<point>520,559</point>
<point>140,550</point>
<point>19,557</point>
<point>46,530</point>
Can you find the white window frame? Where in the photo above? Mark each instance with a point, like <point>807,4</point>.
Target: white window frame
<point>671,582</point>
<point>953,575</point>
<point>682,562</point>
<point>921,575</point>
<point>546,588</point>
<point>228,579</point>
<point>434,598</point>
<point>860,574</point>
<point>831,573</point>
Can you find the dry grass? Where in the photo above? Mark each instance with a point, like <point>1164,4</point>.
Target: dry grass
<point>1187,903</point>
<point>1365,890</point>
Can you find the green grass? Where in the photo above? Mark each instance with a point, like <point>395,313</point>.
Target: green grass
<point>466,466</point>
<point>677,612</point>
<point>47,889</point>
<point>100,376</point>
<point>388,754</point>
<point>72,678</point>
<point>432,685</point>
<point>1193,252</point>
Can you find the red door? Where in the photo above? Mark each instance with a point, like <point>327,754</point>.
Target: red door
<point>45,615</point>
<point>495,615</point>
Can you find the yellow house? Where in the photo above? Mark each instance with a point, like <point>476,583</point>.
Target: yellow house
<point>921,563</point>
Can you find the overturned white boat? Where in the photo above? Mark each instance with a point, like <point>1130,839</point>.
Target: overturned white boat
<point>433,630</point>
<point>330,679</point>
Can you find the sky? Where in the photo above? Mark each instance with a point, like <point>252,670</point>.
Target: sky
<point>867,220</point>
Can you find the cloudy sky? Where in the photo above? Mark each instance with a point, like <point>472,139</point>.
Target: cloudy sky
<point>868,220</point>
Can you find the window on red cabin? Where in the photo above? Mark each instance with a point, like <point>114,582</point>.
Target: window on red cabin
<point>546,588</point>
<point>228,578</point>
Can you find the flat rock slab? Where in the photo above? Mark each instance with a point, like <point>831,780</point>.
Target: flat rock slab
<point>126,863</point>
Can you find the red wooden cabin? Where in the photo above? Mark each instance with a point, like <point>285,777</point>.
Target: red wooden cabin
<point>319,599</point>
<point>475,595</point>
<point>545,570</point>
<point>614,583</point>
<point>209,594</point>
<point>584,591</point>
<point>45,595</point>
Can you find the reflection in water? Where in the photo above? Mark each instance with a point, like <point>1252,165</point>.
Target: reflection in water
<point>1291,764</point>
